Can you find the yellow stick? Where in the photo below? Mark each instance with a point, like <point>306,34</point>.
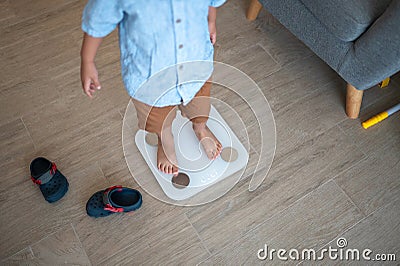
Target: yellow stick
<point>382,116</point>
<point>375,120</point>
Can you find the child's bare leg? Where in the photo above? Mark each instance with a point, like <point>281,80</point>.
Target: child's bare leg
<point>210,143</point>
<point>197,111</point>
<point>166,156</point>
<point>149,118</point>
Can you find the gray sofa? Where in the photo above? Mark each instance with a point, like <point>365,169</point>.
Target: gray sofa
<point>359,39</point>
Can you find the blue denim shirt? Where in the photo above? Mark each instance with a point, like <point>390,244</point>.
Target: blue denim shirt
<point>157,35</point>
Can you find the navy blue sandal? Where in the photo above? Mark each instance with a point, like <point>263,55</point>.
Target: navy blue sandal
<point>112,200</point>
<point>52,183</point>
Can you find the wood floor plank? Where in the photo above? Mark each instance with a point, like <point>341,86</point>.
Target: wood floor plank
<point>15,141</point>
<point>62,247</point>
<point>298,80</point>
<point>176,243</point>
<point>372,187</point>
<point>65,115</point>
<point>15,173</point>
<point>379,232</point>
<point>309,223</point>
<point>115,169</point>
<point>60,16</point>
<point>251,59</point>
<point>83,142</point>
<point>23,257</point>
<point>319,112</point>
<point>293,174</point>
<point>24,10</point>
<point>59,66</point>
<point>25,97</point>
<point>61,52</point>
<point>28,86</point>
<point>6,12</point>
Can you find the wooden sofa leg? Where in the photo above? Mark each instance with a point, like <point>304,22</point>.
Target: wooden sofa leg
<point>254,9</point>
<point>353,101</point>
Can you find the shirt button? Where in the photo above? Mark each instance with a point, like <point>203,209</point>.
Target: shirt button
<point>178,20</point>
<point>180,67</point>
<point>180,46</point>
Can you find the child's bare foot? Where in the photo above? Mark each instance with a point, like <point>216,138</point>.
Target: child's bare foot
<point>166,157</point>
<point>210,143</point>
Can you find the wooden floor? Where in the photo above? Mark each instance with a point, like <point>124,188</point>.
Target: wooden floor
<point>329,178</point>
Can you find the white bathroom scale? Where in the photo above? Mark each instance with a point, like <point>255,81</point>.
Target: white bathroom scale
<point>195,169</point>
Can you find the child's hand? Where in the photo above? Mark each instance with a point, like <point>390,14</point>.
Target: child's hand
<point>89,78</point>
<point>89,75</point>
<point>212,18</point>
<point>213,32</point>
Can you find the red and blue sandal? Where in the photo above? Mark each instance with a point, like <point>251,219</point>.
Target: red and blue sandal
<point>113,200</point>
<point>52,183</point>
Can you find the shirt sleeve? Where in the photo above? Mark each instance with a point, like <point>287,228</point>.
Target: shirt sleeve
<point>101,17</point>
<point>217,3</point>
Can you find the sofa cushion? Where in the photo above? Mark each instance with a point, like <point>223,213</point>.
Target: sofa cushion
<point>347,19</point>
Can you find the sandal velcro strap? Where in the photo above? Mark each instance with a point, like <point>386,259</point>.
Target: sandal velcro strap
<point>52,183</point>
<point>115,199</point>
<point>45,177</point>
<point>107,202</point>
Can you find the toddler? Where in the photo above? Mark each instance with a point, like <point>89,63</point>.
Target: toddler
<point>155,35</point>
